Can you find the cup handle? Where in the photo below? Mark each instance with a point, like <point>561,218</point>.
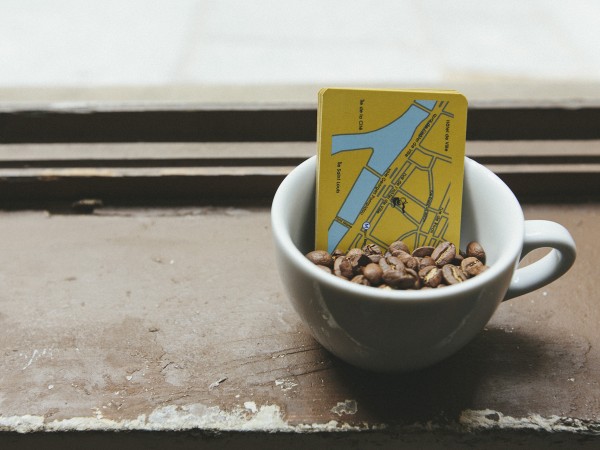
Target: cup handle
<point>538,234</point>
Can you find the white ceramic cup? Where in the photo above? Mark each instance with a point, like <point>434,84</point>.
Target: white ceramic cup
<point>386,330</point>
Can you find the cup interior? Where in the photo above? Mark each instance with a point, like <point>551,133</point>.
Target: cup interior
<point>491,215</point>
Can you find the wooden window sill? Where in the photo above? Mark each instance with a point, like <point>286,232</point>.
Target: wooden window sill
<point>136,319</point>
<point>161,312</point>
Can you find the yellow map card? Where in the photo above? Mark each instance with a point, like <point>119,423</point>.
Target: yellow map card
<point>389,166</point>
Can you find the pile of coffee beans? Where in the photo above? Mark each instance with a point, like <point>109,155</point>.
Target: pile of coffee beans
<point>398,268</point>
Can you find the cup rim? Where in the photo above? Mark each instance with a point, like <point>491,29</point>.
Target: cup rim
<point>286,245</point>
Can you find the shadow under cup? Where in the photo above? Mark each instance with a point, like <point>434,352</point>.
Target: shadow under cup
<point>397,330</point>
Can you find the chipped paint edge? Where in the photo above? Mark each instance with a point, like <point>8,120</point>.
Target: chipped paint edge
<point>488,419</point>
<point>268,418</point>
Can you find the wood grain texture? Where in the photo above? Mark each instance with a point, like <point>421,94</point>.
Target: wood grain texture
<point>126,312</point>
<point>249,173</point>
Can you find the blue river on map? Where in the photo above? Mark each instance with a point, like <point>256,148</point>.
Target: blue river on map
<point>429,104</point>
<point>358,195</point>
<point>387,142</point>
<point>335,234</point>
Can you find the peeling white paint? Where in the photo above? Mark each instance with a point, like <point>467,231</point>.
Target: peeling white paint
<point>37,354</point>
<point>22,424</point>
<point>345,407</point>
<point>251,406</point>
<point>269,418</point>
<point>286,384</point>
<point>33,355</point>
<point>488,419</point>
<point>177,418</point>
<point>97,413</point>
<point>217,383</point>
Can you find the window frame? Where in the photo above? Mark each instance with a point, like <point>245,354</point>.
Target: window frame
<point>229,169</point>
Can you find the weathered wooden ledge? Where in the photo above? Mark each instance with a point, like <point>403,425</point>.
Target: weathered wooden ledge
<point>116,329</point>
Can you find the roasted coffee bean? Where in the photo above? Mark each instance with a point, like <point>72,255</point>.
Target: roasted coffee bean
<point>426,262</point>
<point>360,279</point>
<point>472,266</point>
<point>452,274</point>
<point>375,258</point>
<point>372,249</point>
<point>457,259</point>
<point>346,267</point>
<point>411,263</point>
<point>373,273</point>
<point>337,252</point>
<point>391,276</point>
<point>422,252</point>
<point>431,276</point>
<point>416,280</point>
<point>398,245</point>
<point>384,264</point>
<point>406,258</point>
<point>353,252</point>
<point>444,253</point>
<point>402,257</point>
<point>400,254</point>
<point>398,279</point>
<point>358,261</point>
<point>336,266</point>
<point>320,258</point>
<point>395,262</point>
<point>475,249</point>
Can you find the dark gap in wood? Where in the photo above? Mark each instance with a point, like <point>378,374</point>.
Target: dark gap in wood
<point>254,440</point>
<point>246,190</point>
<point>526,159</point>
<point>154,162</point>
<point>268,161</point>
<point>268,125</point>
<point>142,190</point>
<point>158,126</point>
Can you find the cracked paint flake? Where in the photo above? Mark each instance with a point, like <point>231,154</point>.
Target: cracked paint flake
<point>217,383</point>
<point>251,406</point>
<point>488,419</point>
<point>37,354</point>
<point>286,384</point>
<point>345,407</point>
